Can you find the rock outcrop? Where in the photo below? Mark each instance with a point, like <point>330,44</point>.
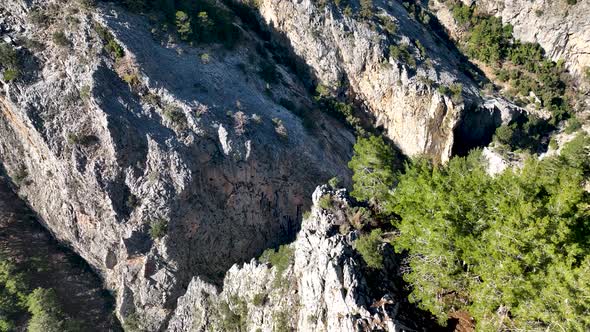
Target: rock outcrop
<point>163,137</point>
<point>322,287</point>
<point>561,28</point>
<point>351,55</point>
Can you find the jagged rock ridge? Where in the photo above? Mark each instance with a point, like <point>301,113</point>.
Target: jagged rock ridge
<point>322,289</point>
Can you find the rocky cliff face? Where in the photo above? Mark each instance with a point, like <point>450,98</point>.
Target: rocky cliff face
<point>321,287</point>
<point>164,164</point>
<point>350,55</point>
<point>562,29</point>
<point>103,149</point>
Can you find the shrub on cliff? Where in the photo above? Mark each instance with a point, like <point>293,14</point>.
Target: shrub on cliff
<point>60,38</point>
<point>10,65</point>
<point>183,25</point>
<point>158,228</point>
<point>368,245</point>
<point>367,9</point>
<point>373,166</point>
<point>280,259</point>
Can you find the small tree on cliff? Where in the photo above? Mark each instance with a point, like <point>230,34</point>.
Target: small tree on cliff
<point>373,166</point>
<point>183,25</point>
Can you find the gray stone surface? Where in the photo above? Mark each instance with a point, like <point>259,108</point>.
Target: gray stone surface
<point>348,53</point>
<point>224,197</point>
<point>322,289</point>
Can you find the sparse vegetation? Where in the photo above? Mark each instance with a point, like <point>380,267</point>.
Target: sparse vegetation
<point>340,110</point>
<point>325,202</point>
<point>259,299</point>
<point>85,140</point>
<point>158,228</point>
<point>201,21</point>
<point>455,91</point>
<point>334,182</point>
<point>60,38</point>
<point>20,175</point>
<point>183,25</point>
<point>176,116</point>
<point>10,64</point>
<point>573,125</point>
<point>132,322</point>
<point>281,322</point>
<point>230,320</point>
<point>523,65</point>
<point>280,259</point>
<point>205,58</point>
<point>367,9</point>
<point>85,92</point>
<point>306,214</point>
<point>111,46</point>
<point>402,53</point>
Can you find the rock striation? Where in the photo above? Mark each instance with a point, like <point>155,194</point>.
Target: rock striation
<point>351,55</point>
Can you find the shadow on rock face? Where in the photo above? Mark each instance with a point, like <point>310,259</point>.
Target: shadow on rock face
<point>227,192</point>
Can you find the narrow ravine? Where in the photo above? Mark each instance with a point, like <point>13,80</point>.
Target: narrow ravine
<point>47,264</point>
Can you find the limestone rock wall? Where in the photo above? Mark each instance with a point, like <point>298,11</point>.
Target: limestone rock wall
<point>102,149</point>
<point>322,289</point>
<point>350,55</point>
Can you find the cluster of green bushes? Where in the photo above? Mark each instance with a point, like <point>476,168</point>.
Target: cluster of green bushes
<point>202,21</point>
<point>280,259</point>
<point>18,302</point>
<point>455,91</point>
<point>416,11</point>
<point>176,116</point>
<point>524,133</point>
<point>401,53</point>
<point>10,64</point>
<point>232,317</point>
<point>111,46</point>
<point>522,64</point>
<point>511,249</point>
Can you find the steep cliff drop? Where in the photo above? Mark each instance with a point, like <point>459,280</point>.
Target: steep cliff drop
<point>44,263</point>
